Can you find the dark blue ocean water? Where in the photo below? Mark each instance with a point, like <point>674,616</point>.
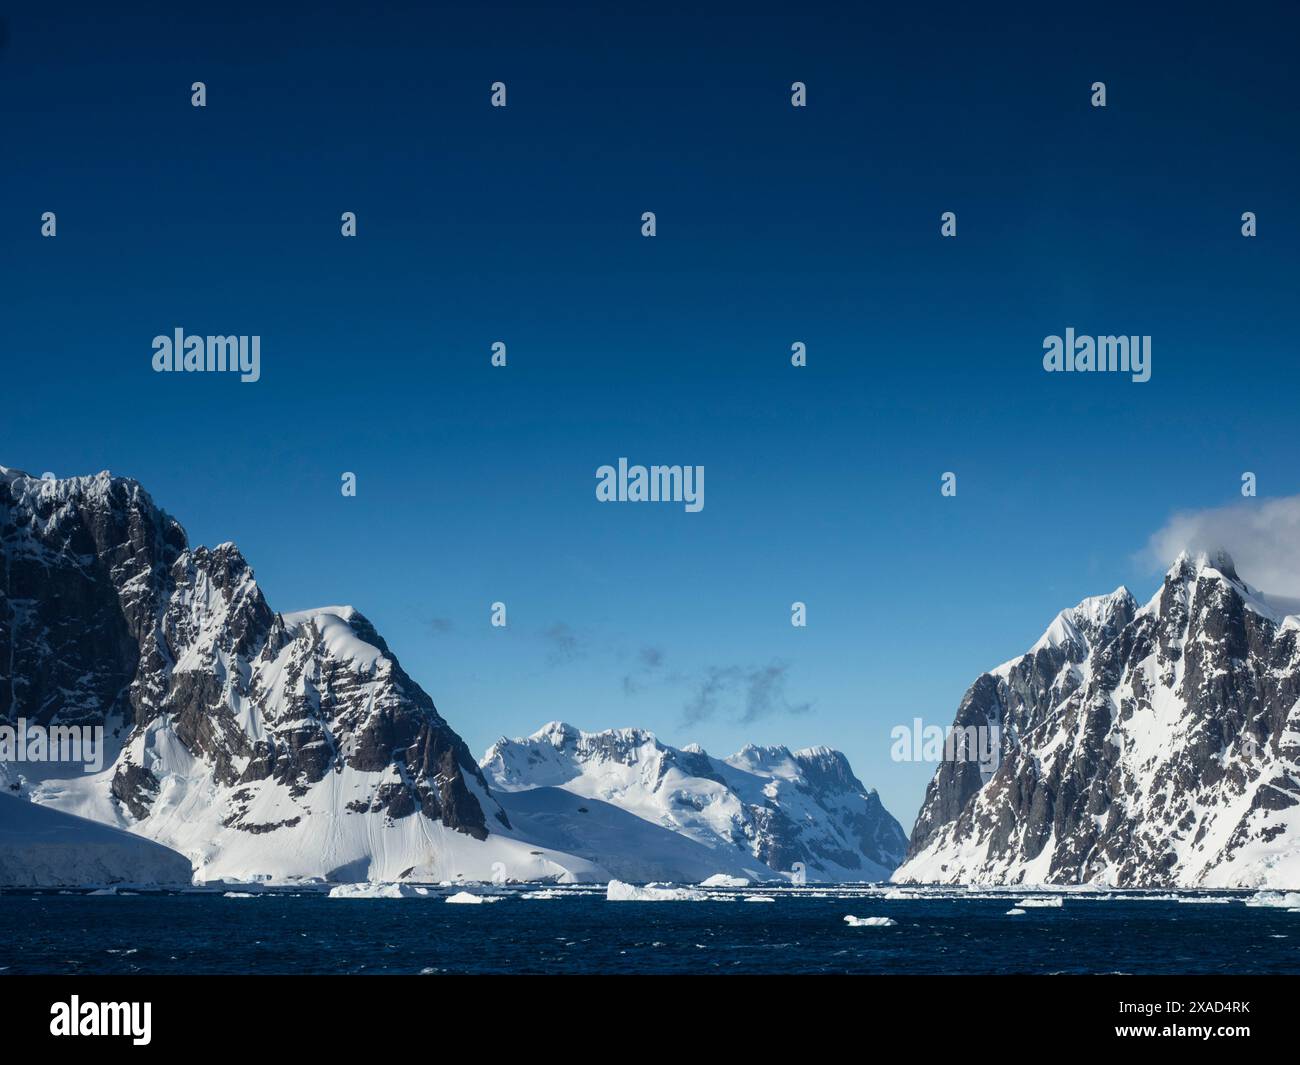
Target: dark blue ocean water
<point>583,933</point>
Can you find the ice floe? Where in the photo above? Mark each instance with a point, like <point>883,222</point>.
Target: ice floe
<point>618,891</point>
<point>378,891</point>
<point>470,899</point>
<point>725,880</point>
<point>1278,899</point>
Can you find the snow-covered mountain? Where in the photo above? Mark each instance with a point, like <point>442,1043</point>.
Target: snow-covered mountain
<point>762,813</point>
<point>42,847</point>
<point>259,745</point>
<point>275,746</point>
<point>1154,745</point>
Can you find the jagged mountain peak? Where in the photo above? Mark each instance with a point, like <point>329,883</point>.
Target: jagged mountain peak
<point>827,768</point>
<point>1092,617</point>
<point>619,744</point>
<point>1075,631</point>
<point>557,730</point>
<point>1190,563</point>
<point>95,485</point>
<point>762,757</point>
<point>251,741</point>
<point>1151,747</point>
<point>764,808</point>
<point>559,751</point>
<point>1216,570</point>
<point>346,632</point>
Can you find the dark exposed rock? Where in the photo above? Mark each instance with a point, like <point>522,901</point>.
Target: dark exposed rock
<point>135,788</point>
<point>1139,747</point>
<point>108,616</point>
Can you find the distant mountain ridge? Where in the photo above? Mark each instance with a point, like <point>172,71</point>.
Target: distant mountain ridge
<point>765,812</point>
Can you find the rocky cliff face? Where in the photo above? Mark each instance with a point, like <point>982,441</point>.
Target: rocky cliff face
<point>1140,746</point>
<point>226,719</point>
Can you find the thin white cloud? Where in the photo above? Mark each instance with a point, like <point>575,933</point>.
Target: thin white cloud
<point>761,689</point>
<point>563,644</point>
<point>1262,536</point>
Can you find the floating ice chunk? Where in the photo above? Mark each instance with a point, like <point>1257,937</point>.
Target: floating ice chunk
<point>725,880</point>
<point>239,895</point>
<point>1204,898</point>
<point>759,898</point>
<point>546,893</point>
<point>1015,911</point>
<point>1275,898</point>
<point>471,899</point>
<point>617,891</point>
<point>1053,901</point>
<point>378,891</point>
<point>869,922</point>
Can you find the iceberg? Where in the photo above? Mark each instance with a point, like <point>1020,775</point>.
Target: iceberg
<point>617,891</point>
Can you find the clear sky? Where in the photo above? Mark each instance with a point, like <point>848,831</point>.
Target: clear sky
<point>775,224</point>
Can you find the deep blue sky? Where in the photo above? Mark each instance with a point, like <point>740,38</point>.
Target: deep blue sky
<point>775,225</point>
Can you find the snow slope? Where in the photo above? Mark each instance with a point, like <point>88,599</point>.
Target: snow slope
<point>40,847</point>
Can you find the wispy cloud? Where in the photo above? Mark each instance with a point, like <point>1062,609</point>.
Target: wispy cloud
<point>562,643</point>
<point>1263,538</point>
<point>648,670</point>
<point>756,692</point>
